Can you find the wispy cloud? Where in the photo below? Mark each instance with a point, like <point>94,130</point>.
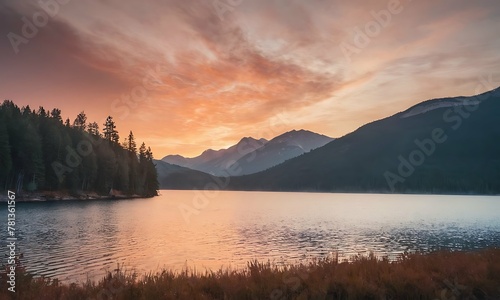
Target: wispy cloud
<point>223,79</point>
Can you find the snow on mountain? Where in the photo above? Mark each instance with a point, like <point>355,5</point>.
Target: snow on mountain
<point>435,104</point>
<point>286,146</point>
<point>216,162</point>
<point>250,155</point>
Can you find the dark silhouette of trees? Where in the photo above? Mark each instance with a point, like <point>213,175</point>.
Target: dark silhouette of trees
<point>151,182</point>
<point>133,161</point>
<point>5,156</point>
<point>93,129</point>
<point>131,145</point>
<point>80,121</point>
<point>39,152</point>
<point>56,114</point>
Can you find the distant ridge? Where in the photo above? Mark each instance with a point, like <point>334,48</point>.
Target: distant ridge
<point>250,155</point>
<point>281,148</point>
<point>216,162</point>
<point>440,146</point>
<point>444,146</point>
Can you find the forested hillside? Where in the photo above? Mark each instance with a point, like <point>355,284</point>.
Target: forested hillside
<point>441,146</point>
<point>40,152</point>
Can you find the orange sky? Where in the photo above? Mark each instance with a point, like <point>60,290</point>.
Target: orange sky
<point>187,75</point>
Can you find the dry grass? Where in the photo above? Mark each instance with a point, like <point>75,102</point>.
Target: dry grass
<point>440,275</point>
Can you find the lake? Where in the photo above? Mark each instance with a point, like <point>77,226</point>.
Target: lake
<point>76,240</point>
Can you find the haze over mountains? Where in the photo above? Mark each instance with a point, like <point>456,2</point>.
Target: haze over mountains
<point>250,155</point>
<point>281,148</point>
<point>449,145</point>
<point>215,162</point>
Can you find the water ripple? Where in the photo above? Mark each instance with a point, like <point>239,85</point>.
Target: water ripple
<point>74,241</point>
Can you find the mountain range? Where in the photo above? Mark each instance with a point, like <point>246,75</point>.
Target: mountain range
<point>250,155</point>
<point>447,146</point>
<point>215,162</point>
<point>278,150</point>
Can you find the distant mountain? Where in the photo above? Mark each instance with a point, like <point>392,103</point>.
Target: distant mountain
<point>216,162</point>
<point>449,146</point>
<point>281,148</point>
<point>175,177</point>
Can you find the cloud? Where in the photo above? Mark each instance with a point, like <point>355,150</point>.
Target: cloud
<point>218,79</point>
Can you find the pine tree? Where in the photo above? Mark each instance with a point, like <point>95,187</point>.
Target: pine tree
<point>26,110</point>
<point>80,122</point>
<point>109,130</point>
<point>142,153</point>
<point>133,164</point>
<point>151,184</point>
<point>56,115</point>
<point>41,112</point>
<point>131,145</point>
<point>93,129</point>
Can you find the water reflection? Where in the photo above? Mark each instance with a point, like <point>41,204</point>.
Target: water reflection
<point>74,241</point>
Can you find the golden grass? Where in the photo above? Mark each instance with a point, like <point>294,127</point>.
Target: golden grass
<point>440,275</point>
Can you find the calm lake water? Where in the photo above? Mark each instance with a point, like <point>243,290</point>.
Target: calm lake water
<point>77,240</point>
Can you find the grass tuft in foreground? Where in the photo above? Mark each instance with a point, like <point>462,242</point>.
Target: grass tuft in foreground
<point>440,275</point>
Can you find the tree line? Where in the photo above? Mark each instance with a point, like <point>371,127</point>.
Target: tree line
<point>40,152</point>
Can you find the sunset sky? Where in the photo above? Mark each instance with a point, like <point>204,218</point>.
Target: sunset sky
<point>190,75</point>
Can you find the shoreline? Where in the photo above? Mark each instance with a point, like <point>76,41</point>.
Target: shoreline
<point>63,196</point>
<point>435,275</point>
<point>334,192</point>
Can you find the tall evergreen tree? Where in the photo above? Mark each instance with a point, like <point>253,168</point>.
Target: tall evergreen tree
<point>131,145</point>
<point>56,115</point>
<point>109,130</point>
<point>80,122</point>
<point>151,184</point>
<point>133,163</point>
<point>93,129</point>
<point>26,110</point>
<point>41,112</point>
<point>142,153</point>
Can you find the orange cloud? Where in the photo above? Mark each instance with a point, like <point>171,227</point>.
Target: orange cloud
<point>184,80</point>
